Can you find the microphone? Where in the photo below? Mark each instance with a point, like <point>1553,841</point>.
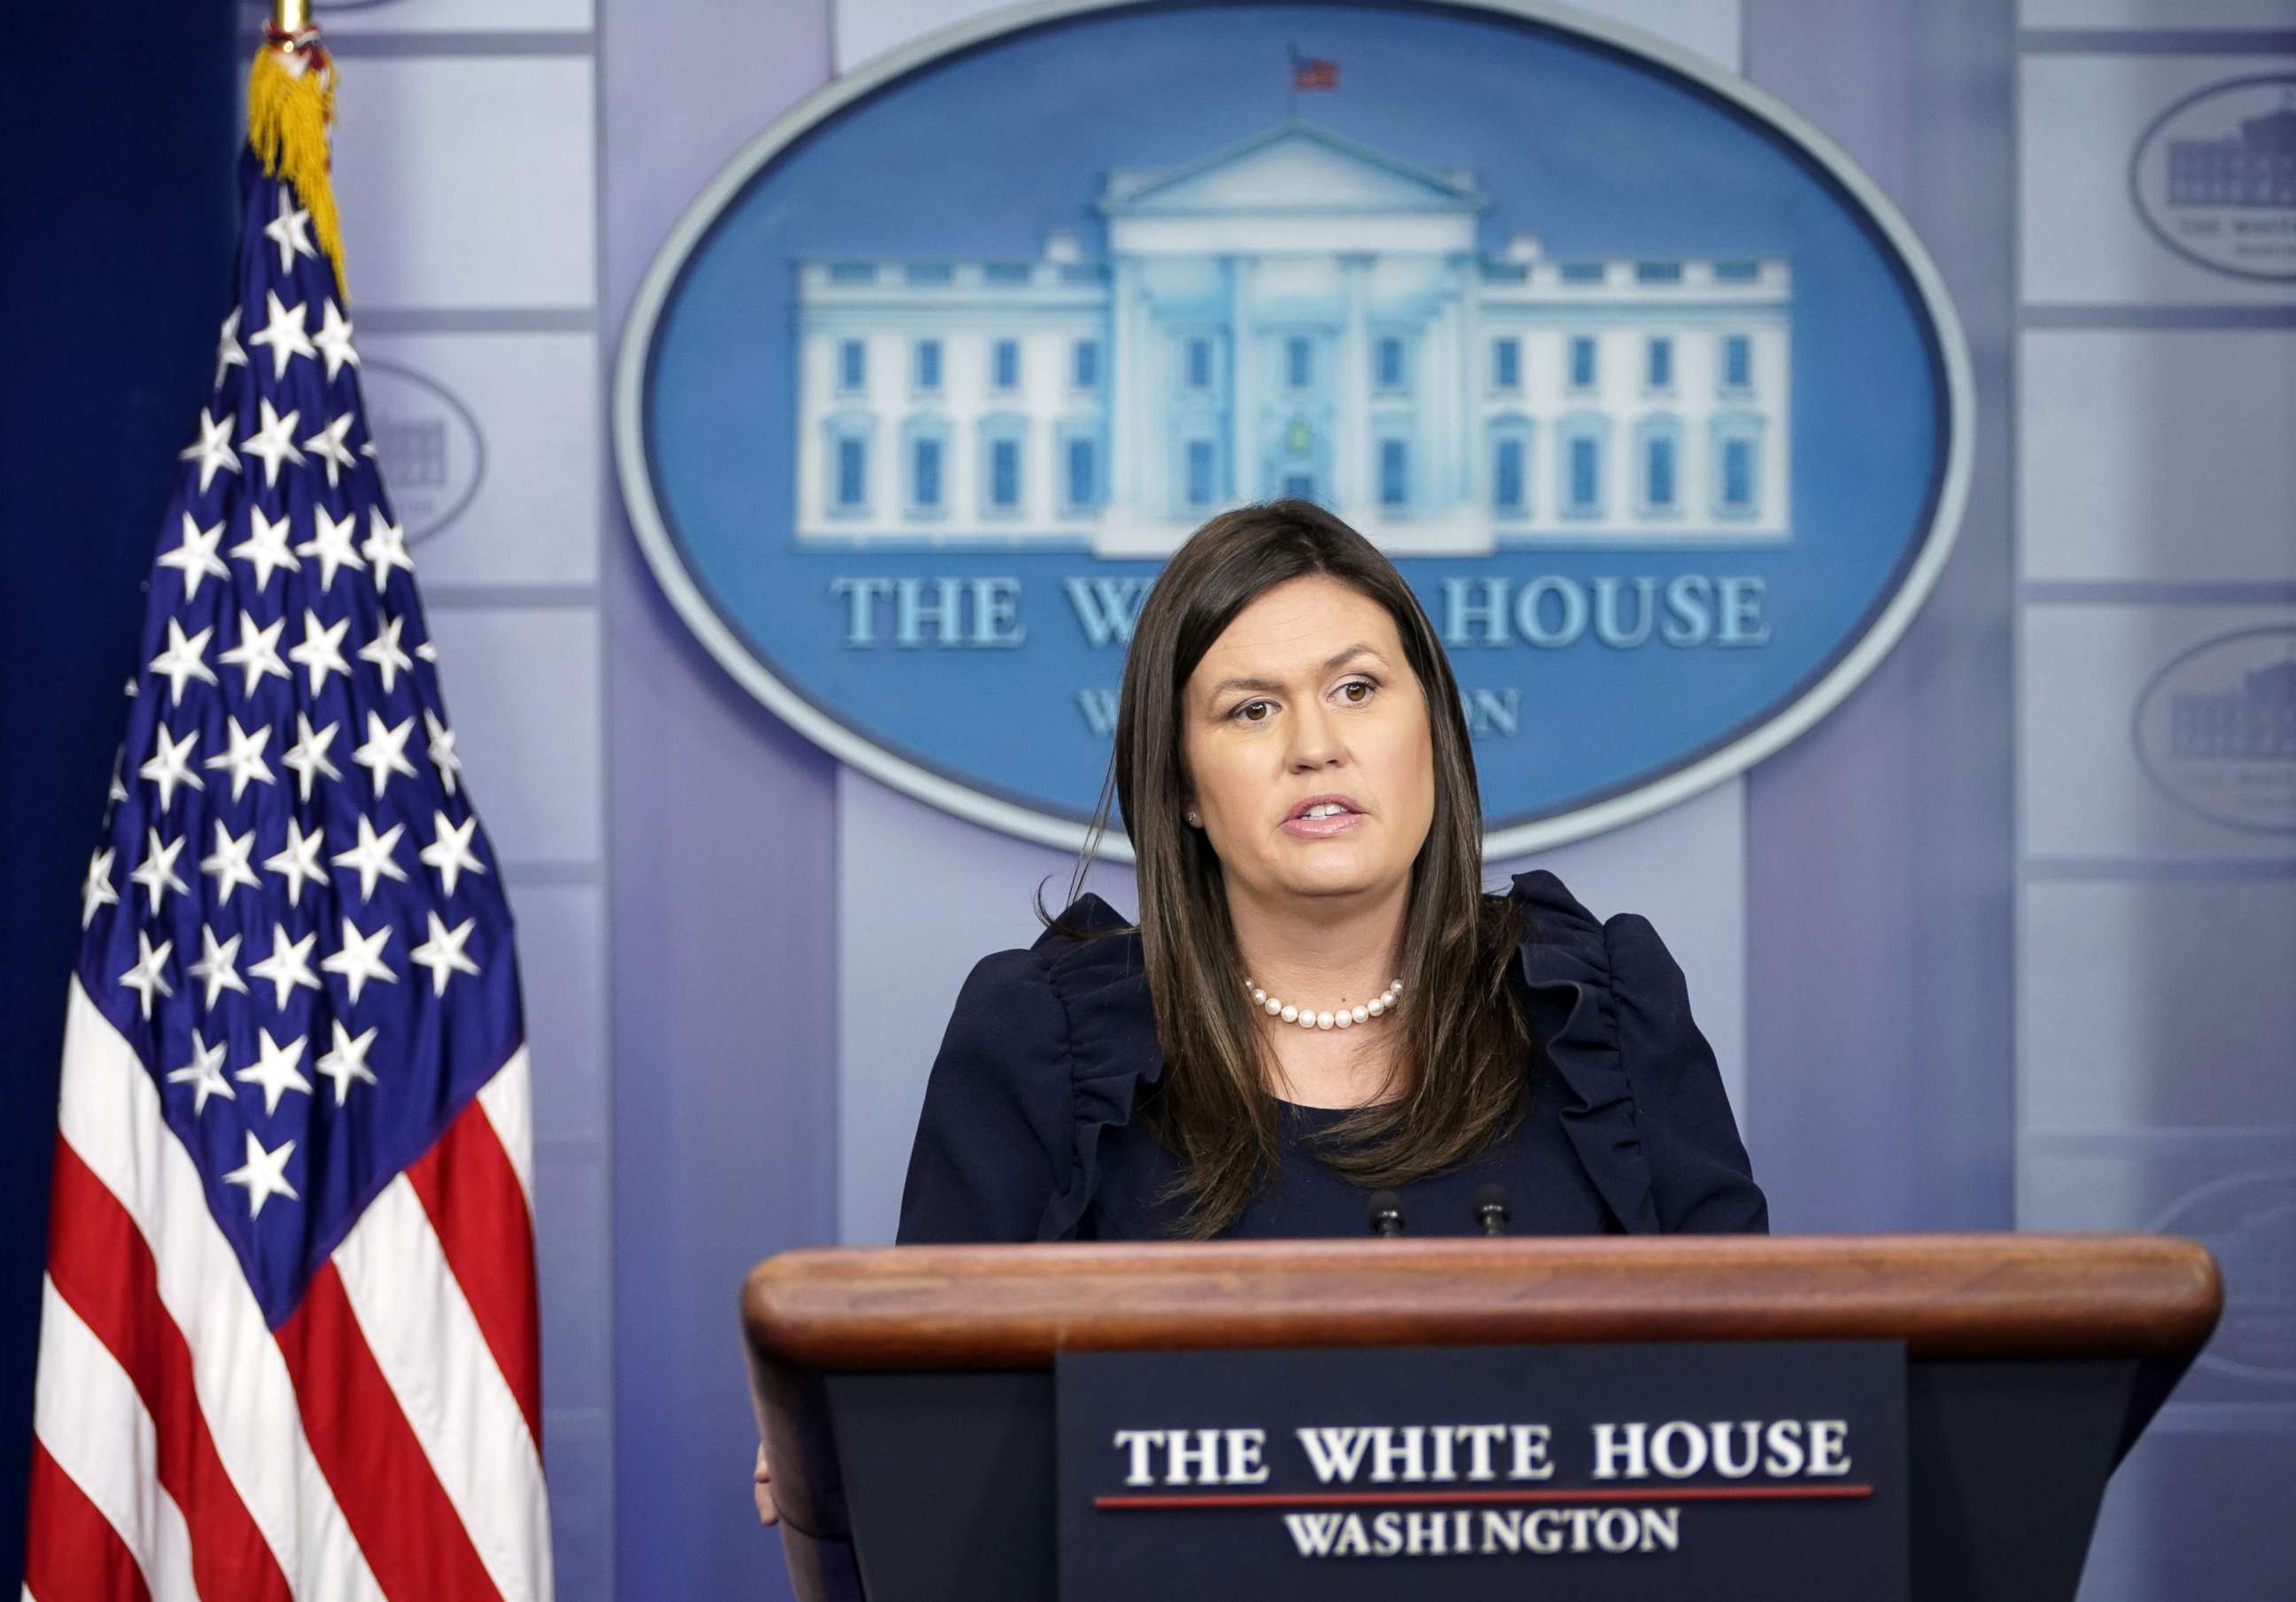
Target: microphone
<point>1491,1210</point>
<point>1386,1217</point>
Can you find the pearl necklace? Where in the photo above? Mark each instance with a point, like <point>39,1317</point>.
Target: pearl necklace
<point>1346,1017</point>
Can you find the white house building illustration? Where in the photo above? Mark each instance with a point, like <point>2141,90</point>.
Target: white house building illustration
<point>1295,316</point>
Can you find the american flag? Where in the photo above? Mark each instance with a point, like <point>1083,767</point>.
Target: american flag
<point>288,1343</point>
<point>1314,73</point>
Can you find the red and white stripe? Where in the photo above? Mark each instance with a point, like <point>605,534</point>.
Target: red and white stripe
<point>382,1446</point>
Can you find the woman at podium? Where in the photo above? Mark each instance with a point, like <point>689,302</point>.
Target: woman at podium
<point>1320,1023</point>
<point>1319,1003</point>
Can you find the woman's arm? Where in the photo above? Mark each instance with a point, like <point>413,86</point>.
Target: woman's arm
<point>997,1136</point>
<point>1701,1179</point>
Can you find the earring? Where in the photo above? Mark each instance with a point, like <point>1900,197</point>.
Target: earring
<point>1193,821</point>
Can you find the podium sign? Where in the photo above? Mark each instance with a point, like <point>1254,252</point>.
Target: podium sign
<point>1622,1472</point>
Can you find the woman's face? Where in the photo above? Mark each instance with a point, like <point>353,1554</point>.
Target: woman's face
<point>1309,757</point>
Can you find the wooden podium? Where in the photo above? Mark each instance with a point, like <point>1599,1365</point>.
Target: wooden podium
<point>906,1393</point>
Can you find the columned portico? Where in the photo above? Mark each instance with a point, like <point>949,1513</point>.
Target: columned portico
<point>1296,313</point>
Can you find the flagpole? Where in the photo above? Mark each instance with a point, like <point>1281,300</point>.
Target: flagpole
<point>289,18</point>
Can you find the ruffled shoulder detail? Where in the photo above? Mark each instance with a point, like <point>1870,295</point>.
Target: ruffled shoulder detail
<point>1574,1012</point>
<point>1101,985</point>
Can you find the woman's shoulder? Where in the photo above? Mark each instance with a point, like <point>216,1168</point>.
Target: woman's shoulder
<point>1652,1123</point>
<point>1083,973</point>
<point>1560,934</point>
<point>1067,1018</point>
<point>1047,1048</point>
<point>1551,913</point>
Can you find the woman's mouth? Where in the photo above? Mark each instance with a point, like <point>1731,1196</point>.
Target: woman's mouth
<point>1320,817</point>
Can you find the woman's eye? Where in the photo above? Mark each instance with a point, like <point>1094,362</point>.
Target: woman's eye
<point>1349,691</point>
<point>1252,712</point>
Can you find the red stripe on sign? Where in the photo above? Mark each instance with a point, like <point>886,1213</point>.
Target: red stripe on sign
<point>72,1552</point>
<point>103,1267</point>
<point>477,1209</point>
<point>1392,1499</point>
<point>413,1540</point>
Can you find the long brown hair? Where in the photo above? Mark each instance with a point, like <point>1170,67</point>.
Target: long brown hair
<point>1459,1061</point>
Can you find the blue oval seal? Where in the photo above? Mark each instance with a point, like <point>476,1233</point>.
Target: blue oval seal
<point>1653,398</point>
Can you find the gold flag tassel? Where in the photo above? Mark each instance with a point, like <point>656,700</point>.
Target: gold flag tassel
<point>290,103</point>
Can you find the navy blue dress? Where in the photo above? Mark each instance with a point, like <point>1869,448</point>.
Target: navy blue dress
<point>1028,1131</point>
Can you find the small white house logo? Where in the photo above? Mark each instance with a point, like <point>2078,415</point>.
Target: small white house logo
<point>2215,177</point>
<point>2248,1221</point>
<point>429,443</point>
<point>2216,729</point>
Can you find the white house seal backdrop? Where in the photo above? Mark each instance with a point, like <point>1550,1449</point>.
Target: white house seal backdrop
<point>1657,403</point>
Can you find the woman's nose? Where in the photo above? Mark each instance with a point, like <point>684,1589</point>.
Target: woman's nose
<point>1314,738</point>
